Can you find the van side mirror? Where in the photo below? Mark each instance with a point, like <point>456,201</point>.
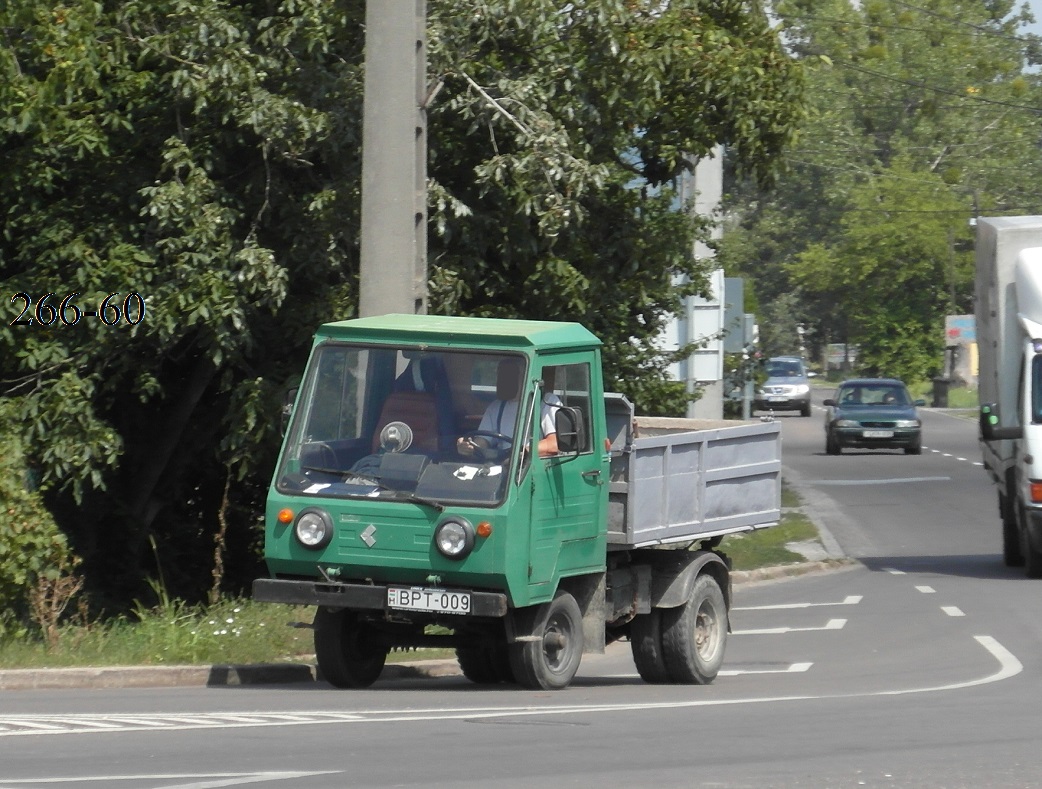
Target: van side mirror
<point>989,425</point>
<point>287,408</point>
<point>571,432</point>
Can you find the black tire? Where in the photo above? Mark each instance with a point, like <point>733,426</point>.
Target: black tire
<point>348,654</point>
<point>550,661</point>
<point>914,449</point>
<point>1011,554</point>
<point>646,645</point>
<point>832,444</point>
<point>485,665</point>
<point>805,410</point>
<point>1032,556</point>
<point>694,635</point>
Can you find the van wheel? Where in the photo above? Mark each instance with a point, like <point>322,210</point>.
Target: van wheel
<point>550,660</point>
<point>1011,554</point>
<point>1032,557</point>
<point>348,652</point>
<point>646,645</point>
<point>694,635</point>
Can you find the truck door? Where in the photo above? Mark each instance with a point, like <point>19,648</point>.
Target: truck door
<point>569,493</point>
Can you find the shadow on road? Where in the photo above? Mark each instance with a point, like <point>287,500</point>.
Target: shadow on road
<point>986,565</point>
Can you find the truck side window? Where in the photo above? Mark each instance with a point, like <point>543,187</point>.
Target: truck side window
<point>569,385</point>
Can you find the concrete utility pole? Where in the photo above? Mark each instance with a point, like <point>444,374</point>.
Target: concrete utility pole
<point>393,267</point>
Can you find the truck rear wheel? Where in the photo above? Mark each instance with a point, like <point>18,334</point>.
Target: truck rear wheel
<point>646,644</point>
<point>348,654</point>
<point>551,658</point>
<point>694,634</point>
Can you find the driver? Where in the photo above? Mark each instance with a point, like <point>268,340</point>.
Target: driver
<point>501,415</point>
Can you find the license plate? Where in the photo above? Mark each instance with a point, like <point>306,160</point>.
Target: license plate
<point>776,398</point>
<point>878,434</point>
<point>418,598</point>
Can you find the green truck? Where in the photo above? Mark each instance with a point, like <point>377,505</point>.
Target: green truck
<point>467,483</point>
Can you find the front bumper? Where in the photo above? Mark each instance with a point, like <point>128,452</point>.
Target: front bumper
<point>782,404</point>
<point>356,596</point>
<point>854,437</point>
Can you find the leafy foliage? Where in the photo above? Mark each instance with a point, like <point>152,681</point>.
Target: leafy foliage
<point>918,120</point>
<point>205,155</point>
<point>33,551</point>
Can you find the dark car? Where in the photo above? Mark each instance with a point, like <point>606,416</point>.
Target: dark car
<point>873,413</point>
<point>787,387</point>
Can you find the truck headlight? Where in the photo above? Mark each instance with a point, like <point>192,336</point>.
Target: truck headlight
<point>454,538</point>
<point>313,528</point>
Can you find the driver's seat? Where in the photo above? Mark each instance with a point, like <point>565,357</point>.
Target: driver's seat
<point>416,409</point>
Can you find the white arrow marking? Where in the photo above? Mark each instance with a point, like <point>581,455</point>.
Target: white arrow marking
<point>853,599</point>
<point>833,624</point>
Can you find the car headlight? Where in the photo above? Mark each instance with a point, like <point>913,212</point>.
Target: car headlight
<point>454,538</point>
<point>906,423</point>
<point>802,389</point>
<point>313,528</point>
<point>846,423</point>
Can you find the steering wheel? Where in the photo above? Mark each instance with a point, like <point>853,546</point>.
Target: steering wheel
<point>494,446</point>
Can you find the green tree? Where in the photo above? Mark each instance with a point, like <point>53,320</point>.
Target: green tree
<point>205,156</point>
<point>918,120</point>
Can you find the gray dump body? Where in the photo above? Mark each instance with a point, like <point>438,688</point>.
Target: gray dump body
<point>679,480</point>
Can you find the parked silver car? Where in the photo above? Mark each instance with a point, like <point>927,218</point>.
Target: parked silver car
<point>787,387</point>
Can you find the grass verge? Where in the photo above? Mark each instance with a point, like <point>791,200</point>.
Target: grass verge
<point>239,631</point>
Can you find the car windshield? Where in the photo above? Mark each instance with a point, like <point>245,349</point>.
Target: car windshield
<point>383,422</point>
<point>873,394</point>
<point>776,369</point>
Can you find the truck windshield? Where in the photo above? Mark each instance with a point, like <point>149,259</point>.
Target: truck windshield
<point>404,423</point>
<point>1036,389</point>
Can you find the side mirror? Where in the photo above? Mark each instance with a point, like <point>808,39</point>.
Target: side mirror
<point>287,408</point>
<point>989,425</point>
<point>571,432</point>
<point>829,402</point>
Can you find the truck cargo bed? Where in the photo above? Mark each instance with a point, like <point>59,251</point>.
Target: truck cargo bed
<point>683,480</point>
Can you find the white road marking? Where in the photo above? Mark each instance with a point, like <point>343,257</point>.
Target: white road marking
<point>1009,666</point>
<point>952,610</point>
<point>892,481</point>
<point>199,780</point>
<point>926,589</point>
<point>795,668</point>
<point>853,599</point>
<point>892,571</point>
<point>833,624</point>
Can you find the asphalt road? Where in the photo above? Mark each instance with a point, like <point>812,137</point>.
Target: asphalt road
<point>916,666</point>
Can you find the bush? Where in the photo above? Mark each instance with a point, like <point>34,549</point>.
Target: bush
<point>37,568</point>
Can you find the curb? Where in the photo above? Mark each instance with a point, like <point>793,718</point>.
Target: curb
<point>230,675</point>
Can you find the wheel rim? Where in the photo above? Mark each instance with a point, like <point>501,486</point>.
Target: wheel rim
<point>707,631</point>
<point>557,645</point>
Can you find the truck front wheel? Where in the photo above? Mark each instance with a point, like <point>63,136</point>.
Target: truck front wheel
<point>694,634</point>
<point>349,654</point>
<point>550,655</point>
<point>485,665</point>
